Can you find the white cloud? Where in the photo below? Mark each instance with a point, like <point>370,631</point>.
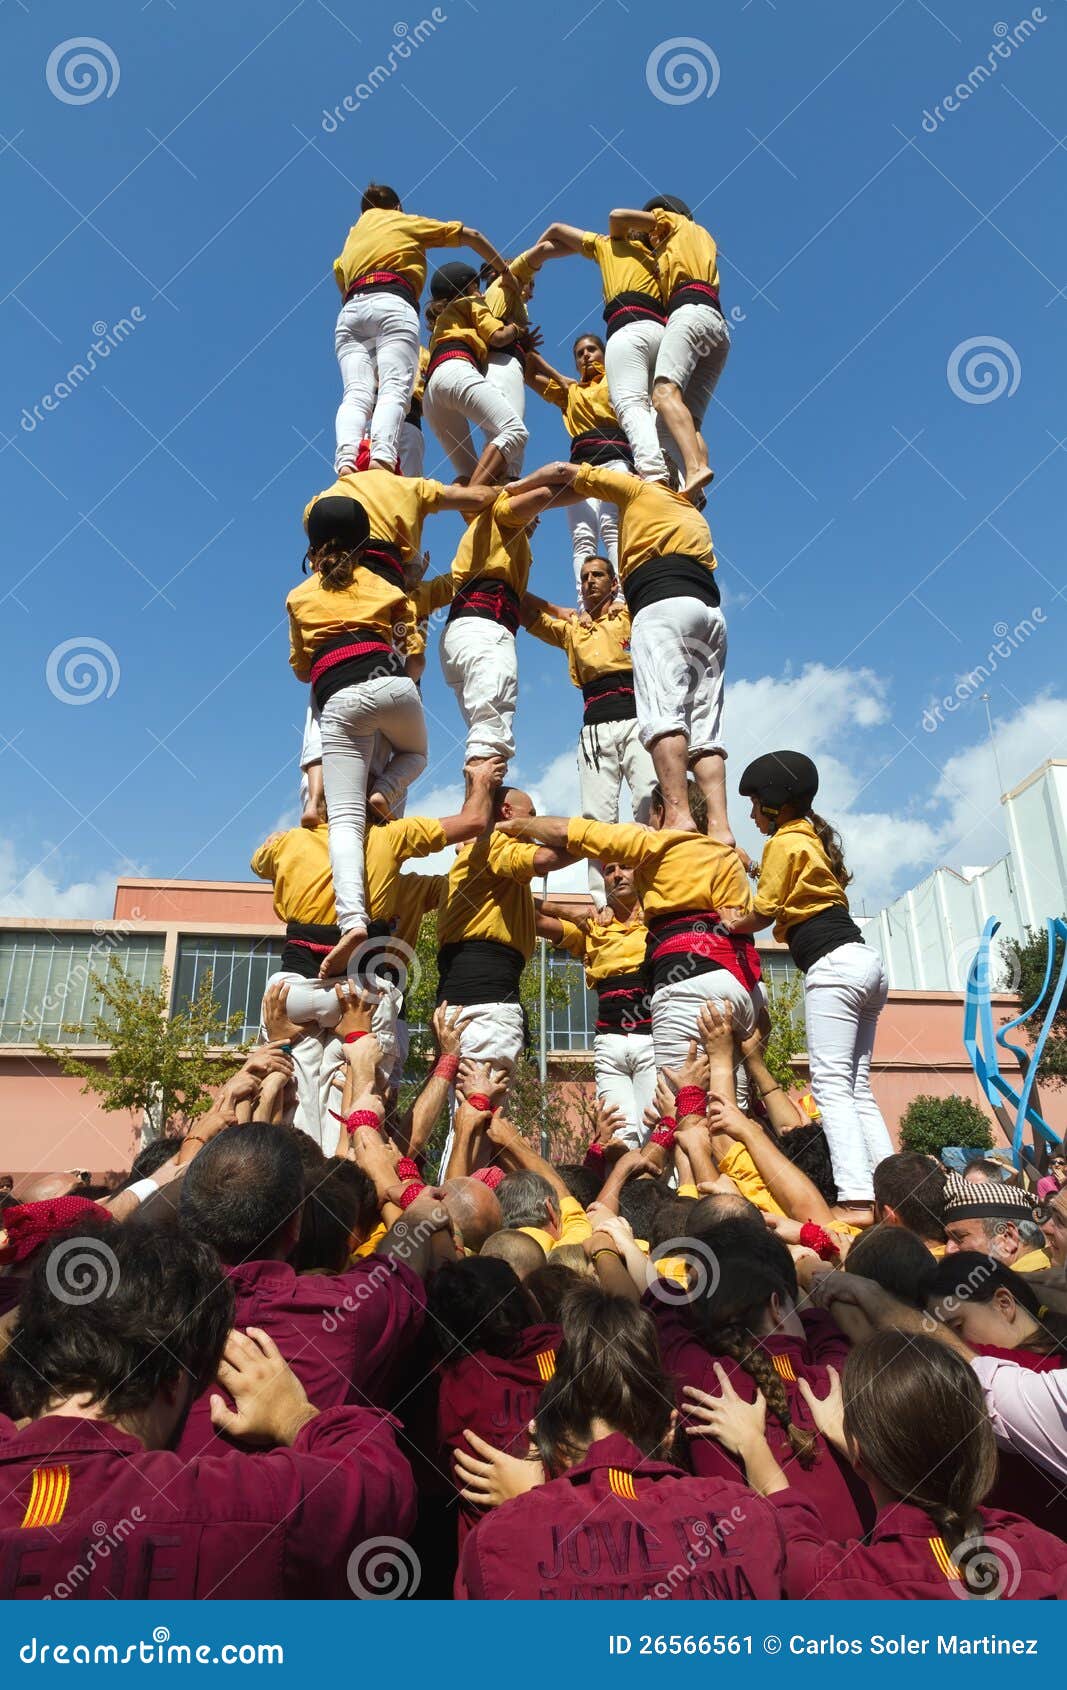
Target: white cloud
<point>969,786</point>
<point>37,889</point>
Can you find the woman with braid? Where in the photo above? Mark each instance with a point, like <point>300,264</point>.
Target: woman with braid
<point>745,1326</point>
<point>909,1415</point>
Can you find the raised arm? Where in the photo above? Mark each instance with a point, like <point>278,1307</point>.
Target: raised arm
<point>469,501</point>
<point>540,373</point>
<point>477,812</point>
<point>621,223</point>
<point>561,239</point>
<point>484,248</point>
<point>559,476</point>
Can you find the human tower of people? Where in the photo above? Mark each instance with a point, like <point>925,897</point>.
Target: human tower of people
<point>732,1354</point>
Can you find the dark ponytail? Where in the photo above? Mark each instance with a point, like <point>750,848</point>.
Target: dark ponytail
<point>335,565</point>
<point>916,1415</point>
<point>830,840</point>
<point>608,1368</point>
<point>751,1267</point>
<point>378,197</point>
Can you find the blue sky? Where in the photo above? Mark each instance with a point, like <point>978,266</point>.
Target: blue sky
<point>881,516</point>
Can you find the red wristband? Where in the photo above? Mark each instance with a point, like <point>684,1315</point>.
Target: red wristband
<point>406,1169</point>
<point>594,1158</point>
<point>350,1038</point>
<point>691,1100</point>
<point>814,1237</point>
<point>663,1135</point>
<point>479,1101</point>
<point>490,1176</point>
<point>447,1067</point>
<point>362,1118</point>
<point>410,1192</point>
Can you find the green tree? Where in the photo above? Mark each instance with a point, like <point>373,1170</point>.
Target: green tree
<point>159,1064</point>
<point>785,1004</point>
<point>929,1123</point>
<point>1024,972</point>
<point>530,1106</point>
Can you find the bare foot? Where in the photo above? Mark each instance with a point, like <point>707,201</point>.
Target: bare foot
<point>311,816</point>
<point>378,802</point>
<point>699,478</point>
<point>337,960</point>
<point>723,836</point>
<point>677,819</point>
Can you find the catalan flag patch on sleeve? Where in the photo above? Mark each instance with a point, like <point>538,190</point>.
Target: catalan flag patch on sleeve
<point>49,1494</point>
<point>939,1551</point>
<point>546,1365</point>
<point>784,1369</point>
<point>622,1483</point>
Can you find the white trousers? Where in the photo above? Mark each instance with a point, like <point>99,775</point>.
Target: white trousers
<point>392,707</point>
<point>507,375</point>
<point>494,1033</point>
<point>678,650</point>
<point>676,1006</point>
<point>594,525</point>
<point>377,345</point>
<point>411,450</point>
<point>318,1058</point>
<point>844,994</point>
<point>457,395</point>
<point>693,353</point>
<point>629,363</point>
<point>608,754</point>
<point>479,663</point>
<point>624,1069</point>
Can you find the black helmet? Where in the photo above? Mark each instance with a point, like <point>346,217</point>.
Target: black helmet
<point>780,777</point>
<point>342,520</point>
<point>450,281</point>
<point>668,202</point>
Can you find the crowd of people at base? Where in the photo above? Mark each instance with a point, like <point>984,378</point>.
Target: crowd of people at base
<point>674,1371</point>
<point>733,1353</point>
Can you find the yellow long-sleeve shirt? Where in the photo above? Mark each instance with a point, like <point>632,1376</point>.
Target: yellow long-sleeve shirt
<point>601,647</point>
<point>469,320</point>
<point>410,635</point>
<point>495,545</point>
<point>316,615</point>
<point>392,240</point>
<point>298,862</point>
<point>625,266</point>
<point>654,521</point>
<point>586,405</point>
<point>574,1227</point>
<point>396,505</point>
<point>488,894</point>
<point>795,878</point>
<point>397,898</point>
<point>672,871</point>
<point>615,948</point>
<point>685,253</point>
<point>505,303</point>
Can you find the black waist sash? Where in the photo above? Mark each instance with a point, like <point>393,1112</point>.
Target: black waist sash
<point>609,698</point>
<point>624,1004</point>
<point>306,943</point>
<point>603,445</point>
<point>673,576</point>
<point>821,933</point>
<point>492,600</point>
<point>473,971</point>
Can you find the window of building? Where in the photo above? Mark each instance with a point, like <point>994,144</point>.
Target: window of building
<point>239,969</point>
<point>45,986</point>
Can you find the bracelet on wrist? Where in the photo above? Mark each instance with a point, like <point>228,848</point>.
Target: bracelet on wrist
<point>814,1237</point>
<point>447,1067</point>
<point>410,1192</point>
<point>478,1100</point>
<point>606,1250</point>
<point>691,1100</point>
<point>769,1090</point>
<point>350,1038</point>
<point>358,1118</point>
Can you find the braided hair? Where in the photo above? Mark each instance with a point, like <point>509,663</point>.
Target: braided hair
<point>730,1317</point>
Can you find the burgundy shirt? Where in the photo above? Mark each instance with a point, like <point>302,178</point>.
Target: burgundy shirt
<point>281,1523</point>
<point>906,1558</point>
<point>621,1526</point>
<point>496,1397</point>
<point>342,1334</point>
<point>842,1500</point>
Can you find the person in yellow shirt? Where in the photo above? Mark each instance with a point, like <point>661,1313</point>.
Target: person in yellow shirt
<point>683,880</point>
<point>490,572</point>
<point>612,948</point>
<point>380,273</point>
<point>696,340</point>
<point>801,890</point>
<point>634,319</point>
<point>297,862</point>
<point>678,636</point>
<point>463,334</point>
<point>597,645</point>
<point>596,438</point>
